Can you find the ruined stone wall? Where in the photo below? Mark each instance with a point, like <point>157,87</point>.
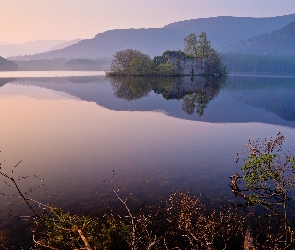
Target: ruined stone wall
<point>186,66</point>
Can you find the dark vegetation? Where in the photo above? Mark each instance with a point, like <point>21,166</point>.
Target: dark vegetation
<point>87,64</point>
<point>250,63</point>
<point>6,65</point>
<point>259,219</point>
<point>277,43</point>
<point>195,93</point>
<point>267,53</point>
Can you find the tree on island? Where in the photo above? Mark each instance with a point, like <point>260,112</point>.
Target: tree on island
<point>201,49</point>
<point>131,62</point>
<point>198,58</point>
<point>204,49</point>
<point>190,44</point>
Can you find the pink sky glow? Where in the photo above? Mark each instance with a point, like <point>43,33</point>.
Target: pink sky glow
<point>29,20</point>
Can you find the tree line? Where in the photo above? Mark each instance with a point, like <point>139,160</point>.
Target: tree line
<point>250,63</point>
<point>7,65</point>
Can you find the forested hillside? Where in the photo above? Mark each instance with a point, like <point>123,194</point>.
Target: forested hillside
<point>280,43</point>
<point>6,65</point>
<point>249,63</point>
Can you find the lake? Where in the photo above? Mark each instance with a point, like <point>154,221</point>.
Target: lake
<point>86,135</point>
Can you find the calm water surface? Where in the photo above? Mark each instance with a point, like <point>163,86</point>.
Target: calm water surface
<point>20,74</point>
<point>84,134</point>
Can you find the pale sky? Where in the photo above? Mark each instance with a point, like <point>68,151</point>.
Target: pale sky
<point>28,20</point>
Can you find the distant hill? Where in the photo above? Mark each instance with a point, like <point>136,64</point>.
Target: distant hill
<point>225,30</point>
<point>221,31</point>
<point>4,43</point>
<point>28,48</point>
<point>280,43</point>
<point>270,23</point>
<point>104,45</point>
<point>65,44</point>
<point>6,65</point>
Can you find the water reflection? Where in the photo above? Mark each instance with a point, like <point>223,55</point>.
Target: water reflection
<point>75,131</point>
<point>3,81</point>
<point>236,99</point>
<point>196,92</point>
<point>274,94</point>
<point>130,88</point>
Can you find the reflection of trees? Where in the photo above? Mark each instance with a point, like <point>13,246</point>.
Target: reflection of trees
<point>84,79</point>
<point>130,88</point>
<point>195,101</point>
<point>196,92</point>
<point>3,81</point>
<point>206,89</point>
<point>188,104</point>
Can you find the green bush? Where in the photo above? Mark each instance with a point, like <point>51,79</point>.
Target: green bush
<point>165,69</point>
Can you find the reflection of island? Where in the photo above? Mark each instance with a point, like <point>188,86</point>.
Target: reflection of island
<point>195,92</point>
<point>242,99</point>
<point>130,88</point>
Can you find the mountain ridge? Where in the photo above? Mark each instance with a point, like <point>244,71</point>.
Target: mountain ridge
<point>64,45</point>
<point>31,47</point>
<point>221,31</point>
<point>279,43</point>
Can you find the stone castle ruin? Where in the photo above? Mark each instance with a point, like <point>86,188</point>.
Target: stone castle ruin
<point>185,65</point>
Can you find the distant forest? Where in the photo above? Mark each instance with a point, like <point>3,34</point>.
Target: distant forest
<point>278,43</point>
<point>64,64</point>
<point>6,65</point>
<point>266,53</point>
<point>249,63</point>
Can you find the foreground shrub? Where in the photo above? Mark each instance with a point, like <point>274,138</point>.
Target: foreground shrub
<point>265,185</point>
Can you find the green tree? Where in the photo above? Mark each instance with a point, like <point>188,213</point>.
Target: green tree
<point>204,49</point>
<point>190,44</point>
<point>203,46</point>
<point>165,69</point>
<point>267,179</point>
<point>131,62</point>
<point>140,65</point>
<point>213,64</point>
<point>200,48</point>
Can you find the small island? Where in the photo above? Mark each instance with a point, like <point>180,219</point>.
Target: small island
<point>198,58</point>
